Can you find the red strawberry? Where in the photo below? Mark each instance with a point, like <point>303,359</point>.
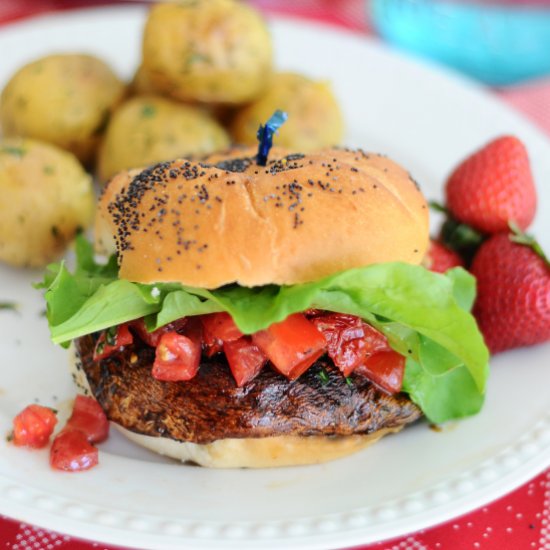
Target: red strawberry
<point>439,258</point>
<point>513,300</point>
<point>493,186</point>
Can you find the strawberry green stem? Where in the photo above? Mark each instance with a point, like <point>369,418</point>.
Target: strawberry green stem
<point>519,237</point>
<point>438,207</point>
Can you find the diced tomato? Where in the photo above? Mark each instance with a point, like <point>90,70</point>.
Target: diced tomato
<point>72,448</point>
<point>311,312</point>
<point>33,426</point>
<point>150,338</point>
<point>292,345</point>
<point>245,359</point>
<point>349,340</point>
<point>212,347</point>
<point>220,326</point>
<point>88,417</point>
<point>345,338</point>
<point>385,369</point>
<point>153,338</point>
<point>375,340</point>
<point>217,329</point>
<point>112,340</point>
<point>71,451</point>
<point>178,355</point>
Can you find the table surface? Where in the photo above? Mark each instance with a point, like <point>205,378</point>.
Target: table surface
<point>519,520</point>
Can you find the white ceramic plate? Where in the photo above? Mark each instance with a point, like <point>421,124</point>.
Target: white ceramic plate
<point>427,120</point>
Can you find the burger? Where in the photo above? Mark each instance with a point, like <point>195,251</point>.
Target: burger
<point>255,316</point>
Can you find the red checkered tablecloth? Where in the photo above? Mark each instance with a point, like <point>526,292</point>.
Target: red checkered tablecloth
<point>518,521</point>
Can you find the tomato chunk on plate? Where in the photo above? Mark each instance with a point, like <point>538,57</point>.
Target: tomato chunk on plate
<point>72,452</point>
<point>177,355</point>
<point>112,340</point>
<point>88,417</point>
<point>245,359</point>
<point>292,345</point>
<point>33,426</point>
<point>385,369</point>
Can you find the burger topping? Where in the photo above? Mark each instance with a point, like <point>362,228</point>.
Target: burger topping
<point>349,340</point>
<point>178,355</point>
<point>153,338</point>
<point>292,346</point>
<point>112,339</point>
<point>385,369</point>
<point>219,327</point>
<point>424,316</point>
<point>245,359</point>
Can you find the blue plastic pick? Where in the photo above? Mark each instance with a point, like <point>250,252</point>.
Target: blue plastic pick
<point>265,135</point>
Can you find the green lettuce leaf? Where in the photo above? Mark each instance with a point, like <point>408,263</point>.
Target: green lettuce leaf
<point>424,315</point>
<point>445,397</point>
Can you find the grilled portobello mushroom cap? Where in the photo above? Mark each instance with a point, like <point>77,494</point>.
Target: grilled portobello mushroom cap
<point>211,407</point>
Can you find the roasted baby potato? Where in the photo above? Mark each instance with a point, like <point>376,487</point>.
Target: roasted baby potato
<point>148,129</point>
<point>211,51</point>
<point>141,82</point>
<point>61,99</point>
<point>314,117</point>
<point>47,197</point>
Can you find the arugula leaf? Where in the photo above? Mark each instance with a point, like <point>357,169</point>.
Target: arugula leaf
<point>118,302</point>
<point>180,300</point>
<point>86,264</point>
<point>423,314</point>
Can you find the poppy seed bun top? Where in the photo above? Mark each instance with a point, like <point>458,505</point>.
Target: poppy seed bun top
<point>298,219</point>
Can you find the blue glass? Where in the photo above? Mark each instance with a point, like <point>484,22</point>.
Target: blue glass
<point>497,43</point>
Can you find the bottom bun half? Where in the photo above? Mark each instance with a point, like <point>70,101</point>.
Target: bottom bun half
<point>265,452</point>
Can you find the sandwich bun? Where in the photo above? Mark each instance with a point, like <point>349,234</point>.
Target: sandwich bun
<point>227,220</point>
